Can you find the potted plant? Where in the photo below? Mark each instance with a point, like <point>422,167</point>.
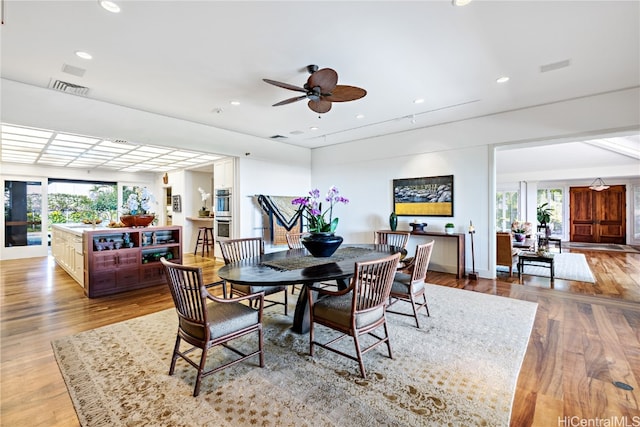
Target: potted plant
<point>544,214</point>
<point>204,212</point>
<point>321,241</point>
<point>449,227</point>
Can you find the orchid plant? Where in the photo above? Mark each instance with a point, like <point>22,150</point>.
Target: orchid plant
<point>205,196</point>
<point>139,202</point>
<point>311,209</point>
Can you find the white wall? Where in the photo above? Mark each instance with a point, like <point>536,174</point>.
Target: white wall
<point>364,169</point>
<point>257,177</point>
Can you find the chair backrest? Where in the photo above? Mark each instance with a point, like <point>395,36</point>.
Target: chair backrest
<point>421,262</point>
<point>504,249</point>
<point>294,240</point>
<point>393,238</point>
<point>187,291</point>
<point>372,283</point>
<point>234,250</point>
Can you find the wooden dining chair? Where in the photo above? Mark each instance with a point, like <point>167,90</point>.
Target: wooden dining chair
<point>206,321</point>
<point>410,287</point>
<point>357,310</point>
<point>393,238</point>
<point>234,250</point>
<point>294,241</point>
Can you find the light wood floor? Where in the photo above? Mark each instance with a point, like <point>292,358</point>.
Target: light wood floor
<point>586,337</point>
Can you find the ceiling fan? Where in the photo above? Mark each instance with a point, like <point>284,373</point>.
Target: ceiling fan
<point>321,89</point>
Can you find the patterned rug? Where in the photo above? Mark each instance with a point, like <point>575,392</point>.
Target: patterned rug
<point>461,368</point>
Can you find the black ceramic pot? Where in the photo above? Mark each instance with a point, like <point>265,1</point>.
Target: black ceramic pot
<point>322,244</point>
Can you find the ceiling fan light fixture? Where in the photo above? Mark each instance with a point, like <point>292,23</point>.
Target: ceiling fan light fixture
<point>598,185</point>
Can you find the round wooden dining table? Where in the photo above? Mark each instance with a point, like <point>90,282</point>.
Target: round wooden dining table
<point>298,267</point>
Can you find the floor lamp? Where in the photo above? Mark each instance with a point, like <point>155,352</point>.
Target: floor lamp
<point>472,275</point>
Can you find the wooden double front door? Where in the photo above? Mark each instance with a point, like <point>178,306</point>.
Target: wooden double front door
<point>598,216</point>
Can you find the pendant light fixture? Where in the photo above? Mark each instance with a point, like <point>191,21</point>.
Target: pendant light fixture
<point>598,185</point>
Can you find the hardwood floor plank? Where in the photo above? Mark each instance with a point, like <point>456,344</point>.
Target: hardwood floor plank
<point>580,331</point>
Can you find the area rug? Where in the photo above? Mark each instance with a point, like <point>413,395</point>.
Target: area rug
<point>568,266</point>
<point>461,368</point>
<point>601,247</point>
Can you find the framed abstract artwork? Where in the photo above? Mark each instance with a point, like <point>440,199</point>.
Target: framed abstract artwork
<point>427,196</point>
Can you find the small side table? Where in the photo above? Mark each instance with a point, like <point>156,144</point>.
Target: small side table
<point>532,258</point>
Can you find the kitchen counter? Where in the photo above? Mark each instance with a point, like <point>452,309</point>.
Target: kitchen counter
<point>107,260</point>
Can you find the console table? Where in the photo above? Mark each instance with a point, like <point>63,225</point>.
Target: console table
<point>459,239</point>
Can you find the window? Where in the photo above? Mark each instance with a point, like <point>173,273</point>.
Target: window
<point>506,209</point>
<point>74,201</point>
<point>554,198</point>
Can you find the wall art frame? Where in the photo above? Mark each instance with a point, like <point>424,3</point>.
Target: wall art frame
<point>176,203</point>
<point>425,196</point>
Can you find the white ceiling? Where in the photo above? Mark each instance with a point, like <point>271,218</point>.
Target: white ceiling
<point>190,59</point>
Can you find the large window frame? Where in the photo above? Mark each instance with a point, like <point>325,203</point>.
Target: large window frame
<point>507,208</point>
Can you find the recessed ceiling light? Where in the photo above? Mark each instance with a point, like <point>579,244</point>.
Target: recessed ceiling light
<point>418,101</point>
<point>460,2</point>
<point>234,102</point>
<point>360,116</point>
<point>314,128</point>
<point>83,55</point>
<point>110,6</point>
<point>502,79</point>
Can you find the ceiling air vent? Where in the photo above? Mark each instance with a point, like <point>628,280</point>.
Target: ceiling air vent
<point>66,87</point>
<point>555,66</point>
<point>278,137</point>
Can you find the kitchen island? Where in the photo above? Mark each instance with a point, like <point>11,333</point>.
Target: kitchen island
<point>106,261</point>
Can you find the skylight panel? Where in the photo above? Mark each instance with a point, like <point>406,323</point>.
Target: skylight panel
<point>77,138</point>
<point>18,145</point>
<point>106,144</point>
<point>18,157</point>
<point>185,154</point>
<point>61,143</point>
<point>151,149</point>
<point>98,156</point>
<point>63,151</point>
<point>27,131</point>
<point>24,138</point>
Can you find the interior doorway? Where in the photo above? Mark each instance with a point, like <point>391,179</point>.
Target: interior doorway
<point>168,206</point>
<point>598,216</point>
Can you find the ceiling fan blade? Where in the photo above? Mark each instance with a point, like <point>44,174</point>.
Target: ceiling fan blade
<point>326,79</point>
<point>320,106</point>
<point>290,100</point>
<point>344,93</point>
<point>284,85</point>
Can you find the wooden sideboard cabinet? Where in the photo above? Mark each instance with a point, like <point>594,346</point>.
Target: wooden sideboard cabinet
<point>459,239</point>
<point>122,259</point>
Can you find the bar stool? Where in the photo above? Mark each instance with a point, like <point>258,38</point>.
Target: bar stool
<point>205,238</point>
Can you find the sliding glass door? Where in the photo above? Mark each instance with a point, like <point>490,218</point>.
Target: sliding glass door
<point>24,227</point>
